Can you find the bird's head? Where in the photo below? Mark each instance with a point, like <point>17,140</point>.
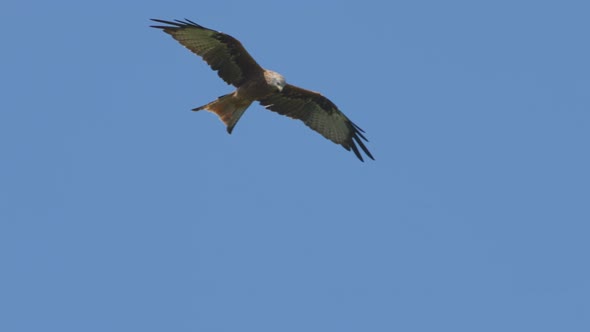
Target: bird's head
<point>275,79</point>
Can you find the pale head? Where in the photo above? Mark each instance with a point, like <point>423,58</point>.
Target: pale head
<point>275,79</point>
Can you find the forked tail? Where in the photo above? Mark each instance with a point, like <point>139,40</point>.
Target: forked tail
<point>228,108</point>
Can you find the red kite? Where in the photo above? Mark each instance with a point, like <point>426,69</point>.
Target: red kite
<point>235,66</point>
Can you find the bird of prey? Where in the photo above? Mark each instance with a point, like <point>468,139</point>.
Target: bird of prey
<point>226,55</point>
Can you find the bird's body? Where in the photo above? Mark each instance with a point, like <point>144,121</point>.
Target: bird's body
<point>235,66</point>
<point>260,88</point>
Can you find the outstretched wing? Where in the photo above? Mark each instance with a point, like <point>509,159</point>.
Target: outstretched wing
<point>320,114</point>
<point>222,52</point>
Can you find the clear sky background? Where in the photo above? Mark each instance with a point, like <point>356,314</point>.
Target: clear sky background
<point>121,210</point>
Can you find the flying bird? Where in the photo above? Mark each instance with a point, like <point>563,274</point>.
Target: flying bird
<point>226,55</point>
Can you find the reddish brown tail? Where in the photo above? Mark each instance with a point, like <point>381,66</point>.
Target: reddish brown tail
<point>228,108</point>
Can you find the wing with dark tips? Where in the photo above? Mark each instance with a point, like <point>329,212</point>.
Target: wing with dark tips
<point>222,52</point>
<point>320,114</point>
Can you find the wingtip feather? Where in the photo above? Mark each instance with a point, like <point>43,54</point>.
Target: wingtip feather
<point>176,24</point>
<point>356,152</point>
<point>363,147</point>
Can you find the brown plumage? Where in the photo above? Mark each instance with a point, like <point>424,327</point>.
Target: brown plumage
<point>235,66</point>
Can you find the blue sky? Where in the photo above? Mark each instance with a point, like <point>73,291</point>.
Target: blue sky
<point>122,210</point>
